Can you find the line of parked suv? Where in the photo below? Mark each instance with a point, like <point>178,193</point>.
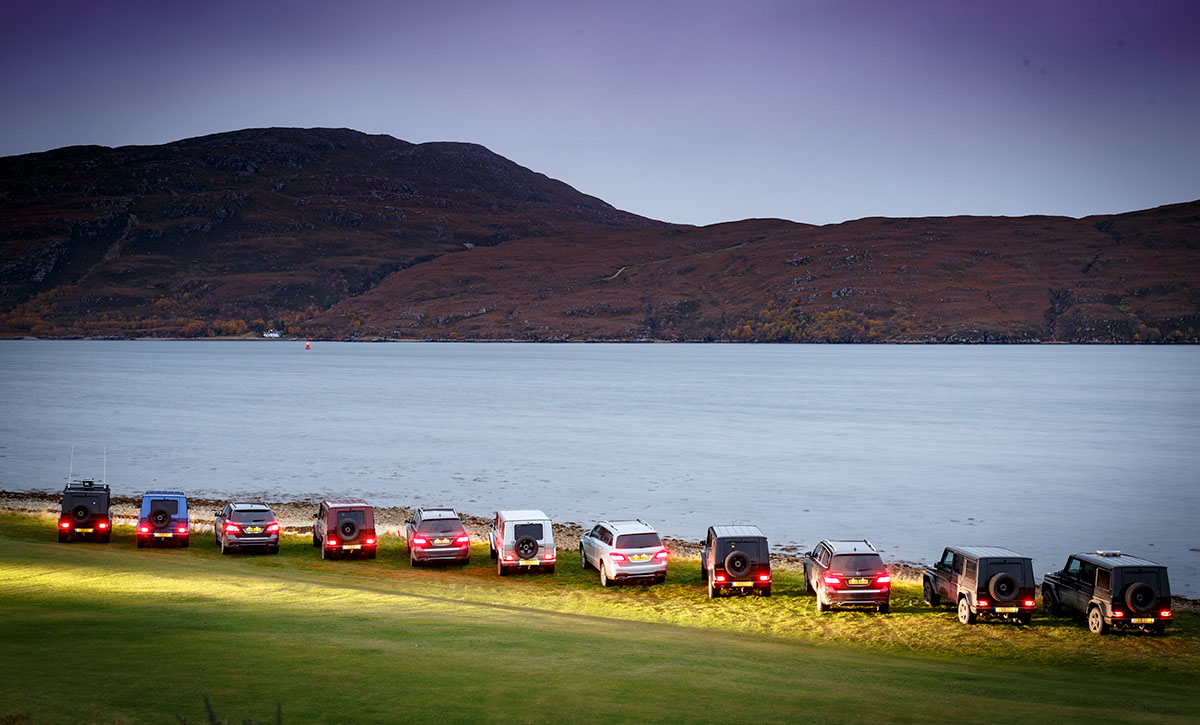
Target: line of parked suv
<point>1110,589</point>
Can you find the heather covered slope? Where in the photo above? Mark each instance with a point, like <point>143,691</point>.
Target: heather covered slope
<point>338,234</point>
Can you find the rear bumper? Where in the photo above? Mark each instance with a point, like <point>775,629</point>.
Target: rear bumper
<point>251,542</point>
<point>858,597</point>
<point>447,554</point>
<point>639,571</point>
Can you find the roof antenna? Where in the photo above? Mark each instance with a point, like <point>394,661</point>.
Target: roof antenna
<point>71,468</point>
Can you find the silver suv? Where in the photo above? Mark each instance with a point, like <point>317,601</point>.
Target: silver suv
<point>522,539</point>
<point>624,550</point>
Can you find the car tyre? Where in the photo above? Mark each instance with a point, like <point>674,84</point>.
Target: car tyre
<point>141,543</point>
<point>273,549</point>
<point>106,538</point>
<point>316,541</point>
<point>500,567</point>
<point>713,592</point>
<point>325,552</point>
<point>661,578</point>
<point>1049,603</point>
<point>1158,628</point>
<point>371,553</point>
<point>583,562</point>
<point>821,605</point>
<point>1025,619</point>
<point>412,559</point>
<point>1095,620</point>
<point>225,549</point>
<point>931,596</point>
<point>61,537</point>
<point>185,543</point>
<point>549,569</point>
<point>965,615</point>
<point>884,608</point>
<point>808,588</point>
<point>604,580</point>
<point>764,592</point>
<point>492,551</point>
<point>1140,597</point>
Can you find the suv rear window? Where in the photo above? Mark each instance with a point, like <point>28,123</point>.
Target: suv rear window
<point>358,517</point>
<point>751,547</point>
<point>1145,576</point>
<point>638,541</point>
<point>169,505</point>
<point>440,526</point>
<point>521,530</point>
<point>856,562</point>
<point>262,515</point>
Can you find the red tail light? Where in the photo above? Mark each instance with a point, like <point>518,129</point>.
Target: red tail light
<point>764,577</point>
<point>144,529</point>
<point>368,542</point>
<point>273,529</point>
<point>617,558</point>
<point>1165,613</point>
<point>885,579</point>
<point>662,555</point>
<point>1029,603</point>
<point>102,525</point>
<point>331,543</point>
<point>984,604</point>
<point>419,541</point>
<point>509,557</point>
<point>65,524</point>
<point>232,529</point>
<point>182,529</point>
<point>832,580</point>
<point>549,556</point>
<point>1118,613</point>
<point>464,539</point>
<point>719,578</point>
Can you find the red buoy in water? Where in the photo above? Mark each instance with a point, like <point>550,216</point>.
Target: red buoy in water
<point>307,346</point>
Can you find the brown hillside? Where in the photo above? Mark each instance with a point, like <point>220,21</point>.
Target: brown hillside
<point>334,233</point>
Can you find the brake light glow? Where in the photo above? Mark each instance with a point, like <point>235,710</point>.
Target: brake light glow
<point>549,556</point>
<point>617,557</point>
<point>144,529</point>
<point>509,557</point>
<point>983,603</point>
<point>662,555</point>
<point>273,529</point>
<point>182,529</point>
<point>369,541</point>
<point>332,543</point>
<point>464,539</point>
<point>1165,613</point>
<point>764,577</point>
<point>102,525</point>
<point>1118,613</point>
<point>884,579</point>
<point>1029,602</point>
<point>720,578</point>
<point>419,541</point>
<point>231,528</point>
<point>65,524</point>
<point>832,580</point>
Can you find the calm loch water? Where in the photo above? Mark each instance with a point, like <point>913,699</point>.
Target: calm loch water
<point>1045,449</point>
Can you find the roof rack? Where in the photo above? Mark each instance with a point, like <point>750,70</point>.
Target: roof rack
<point>1108,553</point>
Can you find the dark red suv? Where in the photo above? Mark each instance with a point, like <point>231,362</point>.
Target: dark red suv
<point>345,526</point>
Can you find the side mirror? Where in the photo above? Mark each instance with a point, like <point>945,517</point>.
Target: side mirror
<point>216,513</point>
<point>316,516</point>
<point>408,521</point>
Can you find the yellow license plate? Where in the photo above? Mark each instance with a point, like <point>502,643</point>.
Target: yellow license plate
<point>352,547</point>
<point>857,581</point>
<point>441,542</point>
<point>83,531</point>
<point>743,584</point>
<point>254,530</point>
<point>162,536</point>
<point>640,557</point>
<point>529,562</point>
<point>1142,620</point>
<point>1007,610</point>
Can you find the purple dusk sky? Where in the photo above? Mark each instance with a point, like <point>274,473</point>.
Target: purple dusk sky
<point>688,111</point>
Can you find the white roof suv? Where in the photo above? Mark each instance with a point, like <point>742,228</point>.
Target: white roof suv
<point>522,539</point>
<point>624,551</point>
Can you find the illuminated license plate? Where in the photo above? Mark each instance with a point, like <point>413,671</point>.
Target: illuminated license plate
<point>441,542</point>
<point>352,547</point>
<point>1007,610</point>
<point>83,531</point>
<point>640,557</point>
<point>743,584</point>
<point>857,581</point>
<point>529,562</point>
<point>162,536</point>
<point>253,529</point>
<point>1142,620</point>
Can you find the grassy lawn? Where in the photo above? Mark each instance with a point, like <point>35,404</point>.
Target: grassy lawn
<point>110,633</point>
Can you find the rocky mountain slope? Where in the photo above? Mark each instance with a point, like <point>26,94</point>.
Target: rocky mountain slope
<point>337,234</point>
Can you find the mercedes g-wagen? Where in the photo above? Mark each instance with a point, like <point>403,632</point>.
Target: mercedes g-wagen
<point>624,551</point>
<point>522,540</point>
<point>847,573</point>
<point>437,534</point>
<point>1111,589</point>
<point>85,512</point>
<point>242,526</point>
<point>163,519</point>
<point>345,526</point>
<point>736,559</point>
<point>982,581</point>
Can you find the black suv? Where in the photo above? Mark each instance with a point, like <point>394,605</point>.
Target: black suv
<point>736,558</point>
<point>847,573</point>
<point>1113,590</point>
<point>85,512</point>
<point>983,581</point>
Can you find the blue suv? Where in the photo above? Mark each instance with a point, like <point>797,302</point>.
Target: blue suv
<point>163,519</point>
